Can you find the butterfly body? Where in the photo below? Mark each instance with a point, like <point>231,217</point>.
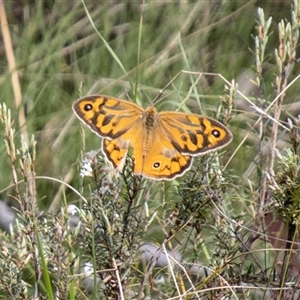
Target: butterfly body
<point>163,144</point>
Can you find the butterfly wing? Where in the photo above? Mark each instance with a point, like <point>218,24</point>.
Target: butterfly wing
<point>106,116</point>
<point>194,134</point>
<point>116,152</point>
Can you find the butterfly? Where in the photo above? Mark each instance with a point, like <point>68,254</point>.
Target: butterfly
<point>163,143</point>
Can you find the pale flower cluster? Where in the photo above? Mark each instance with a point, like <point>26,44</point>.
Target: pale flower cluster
<point>86,169</point>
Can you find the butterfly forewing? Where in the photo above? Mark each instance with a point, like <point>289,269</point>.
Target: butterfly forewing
<point>106,116</point>
<point>194,134</point>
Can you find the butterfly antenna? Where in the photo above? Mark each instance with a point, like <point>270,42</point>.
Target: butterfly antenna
<point>158,96</point>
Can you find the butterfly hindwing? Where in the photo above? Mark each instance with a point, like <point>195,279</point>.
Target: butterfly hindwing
<point>116,152</point>
<point>164,163</point>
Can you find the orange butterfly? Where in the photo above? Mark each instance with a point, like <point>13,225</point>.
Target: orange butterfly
<point>163,143</point>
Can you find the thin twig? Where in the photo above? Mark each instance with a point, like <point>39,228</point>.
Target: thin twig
<point>119,279</point>
<point>171,270</point>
